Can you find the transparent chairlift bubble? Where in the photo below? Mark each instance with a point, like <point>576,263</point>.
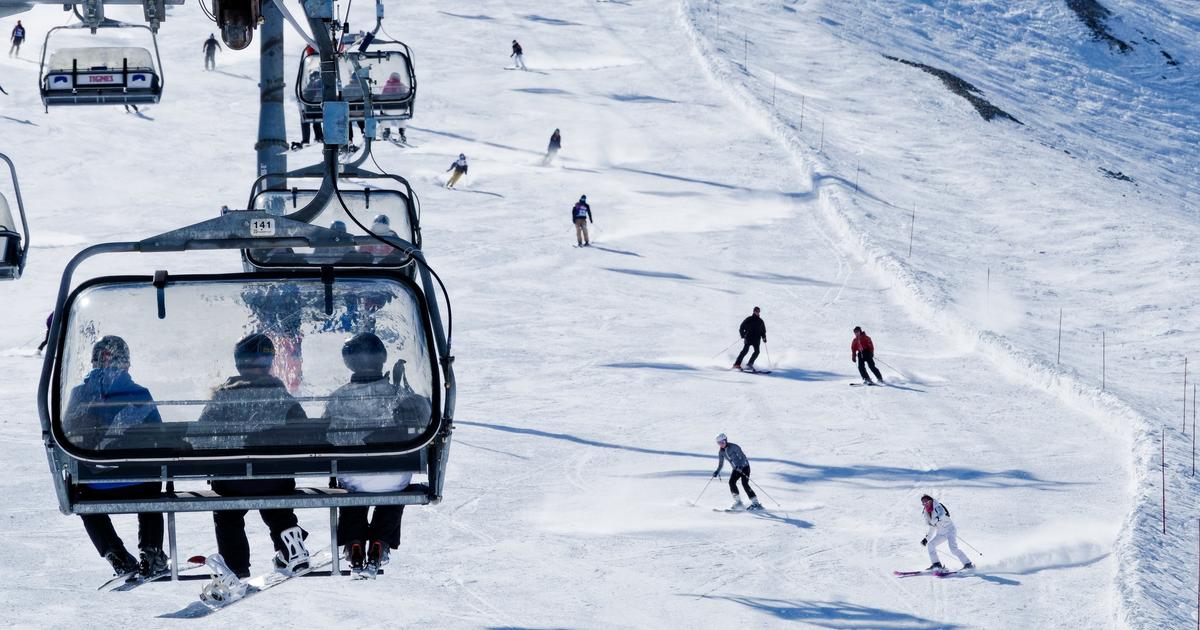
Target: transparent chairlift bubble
<point>14,235</point>
<point>392,80</point>
<point>111,72</point>
<point>184,387</point>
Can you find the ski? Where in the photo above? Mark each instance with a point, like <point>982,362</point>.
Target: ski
<point>753,371</point>
<point>864,385</point>
<point>136,581</point>
<point>943,574</point>
<point>911,573</point>
<point>254,585</point>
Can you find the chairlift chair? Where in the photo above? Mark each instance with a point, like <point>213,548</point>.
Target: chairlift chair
<point>393,82</point>
<point>101,75</point>
<point>179,331</point>
<point>14,245</point>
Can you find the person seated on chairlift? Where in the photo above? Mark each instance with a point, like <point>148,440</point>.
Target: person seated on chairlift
<point>381,226</point>
<point>369,408</point>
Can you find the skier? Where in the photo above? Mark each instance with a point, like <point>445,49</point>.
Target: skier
<point>312,92</point>
<point>519,55</point>
<point>552,149</point>
<point>752,330</point>
<point>459,167</point>
<point>581,214</point>
<point>367,407</point>
<point>210,52</point>
<point>862,351</point>
<point>18,37</point>
<point>46,339</point>
<point>941,528</point>
<point>741,470</point>
<point>253,402</point>
<point>97,411</point>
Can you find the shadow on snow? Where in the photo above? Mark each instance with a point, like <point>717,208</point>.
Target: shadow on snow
<point>832,614</point>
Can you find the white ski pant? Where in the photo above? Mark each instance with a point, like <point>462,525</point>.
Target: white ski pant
<point>949,535</point>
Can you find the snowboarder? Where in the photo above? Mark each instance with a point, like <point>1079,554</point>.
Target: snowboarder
<point>210,52</point>
<point>18,37</point>
<point>862,351</point>
<point>552,149</point>
<point>46,339</point>
<point>250,403</point>
<point>459,167</point>
<point>97,412</point>
<point>741,470</point>
<point>372,405</point>
<point>941,528</point>
<point>752,330</point>
<point>519,55</point>
<point>581,214</point>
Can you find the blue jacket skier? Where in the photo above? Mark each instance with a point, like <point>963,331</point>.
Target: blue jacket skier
<point>98,411</point>
<point>581,215</point>
<point>741,471</point>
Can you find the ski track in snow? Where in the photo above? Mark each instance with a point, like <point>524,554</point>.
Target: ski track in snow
<point>589,393</point>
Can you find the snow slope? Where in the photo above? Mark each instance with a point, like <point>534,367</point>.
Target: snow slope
<point>591,379</point>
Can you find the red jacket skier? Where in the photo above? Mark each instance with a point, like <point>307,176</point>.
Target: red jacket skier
<point>862,351</point>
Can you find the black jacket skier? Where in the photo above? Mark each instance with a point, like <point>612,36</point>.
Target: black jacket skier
<point>210,51</point>
<point>752,330</point>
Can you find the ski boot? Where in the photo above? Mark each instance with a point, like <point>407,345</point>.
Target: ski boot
<point>154,563</point>
<point>755,505</point>
<point>225,586</point>
<point>968,566</point>
<point>377,556</point>
<point>355,557</point>
<point>123,563</point>
<point>737,503</point>
<point>868,381</point>
<point>296,146</point>
<point>296,557</point>
<point>387,133</point>
<point>936,566</point>
<point>737,366</point>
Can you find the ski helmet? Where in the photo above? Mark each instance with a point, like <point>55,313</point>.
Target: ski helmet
<point>254,352</point>
<point>383,218</point>
<point>110,352</point>
<point>364,352</point>
<point>338,226</point>
<point>583,197</point>
<point>462,156</point>
<point>721,438</point>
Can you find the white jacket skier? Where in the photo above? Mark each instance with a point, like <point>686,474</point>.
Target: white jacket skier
<point>941,529</point>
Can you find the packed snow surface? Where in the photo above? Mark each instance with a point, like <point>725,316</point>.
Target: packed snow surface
<point>735,154</point>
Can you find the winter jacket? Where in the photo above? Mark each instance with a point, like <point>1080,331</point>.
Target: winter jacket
<point>516,49</point>
<point>862,342</point>
<point>18,32</point>
<point>211,46</point>
<point>366,405</point>
<point>753,328</point>
<point>737,459</point>
<point>938,521</point>
<point>581,211</point>
<point>98,409</point>
<point>247,406</point>
<point>555,142</point>
<point>459,166</point>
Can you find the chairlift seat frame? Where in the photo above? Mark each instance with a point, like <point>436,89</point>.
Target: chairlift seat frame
<point>385,109</point>
<point>71,467</point>
<point>101,84</point>
<point>14,250</point>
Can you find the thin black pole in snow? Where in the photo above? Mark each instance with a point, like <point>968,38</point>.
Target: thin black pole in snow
<point>857,170</point>
<point>912,226</point>
<point>1059,359</point>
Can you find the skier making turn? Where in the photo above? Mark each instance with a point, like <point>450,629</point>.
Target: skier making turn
<point>553,148</point>
<point>941,529</point>
<point>862,351</point>
<point>752,330</point>
<point>581,215</point>
<point>459,167</point>
<point>741,470</point>
<point>518,55</point>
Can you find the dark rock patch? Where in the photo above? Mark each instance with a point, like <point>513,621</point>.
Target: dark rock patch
<point>1095,17</point>
<point>962,88</point>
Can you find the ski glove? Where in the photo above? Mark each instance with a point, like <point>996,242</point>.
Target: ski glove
<point>715,474</point>
<point>924,542</point>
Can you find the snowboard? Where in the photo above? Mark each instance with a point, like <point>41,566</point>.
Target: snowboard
<point>255,585</point>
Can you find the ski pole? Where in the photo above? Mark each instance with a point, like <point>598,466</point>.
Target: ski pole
<point>703,491</point>
<point>893,367</point>
<point>768,349</point>
<point>760,489</point>
<point>971,546</point>
<point>726,348</point>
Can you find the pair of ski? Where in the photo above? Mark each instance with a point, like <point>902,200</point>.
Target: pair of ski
<point>750,370</point>
<point>936,572</point>
<point>743,509</point>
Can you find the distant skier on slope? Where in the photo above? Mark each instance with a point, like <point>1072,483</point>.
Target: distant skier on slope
<point>581,215</point>
<point>752,330</point>
<point>459,167</point>
<point>552,149</point>
<point>210,52</point>
<point>18,37</point>
<point>941,529</point>
<point>98,410</point>
<point>518,54</point>
<point>46,339</point>
<point>740,466</point>
<point>862,351</point>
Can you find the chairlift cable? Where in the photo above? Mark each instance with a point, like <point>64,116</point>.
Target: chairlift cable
<point>287,15</point>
